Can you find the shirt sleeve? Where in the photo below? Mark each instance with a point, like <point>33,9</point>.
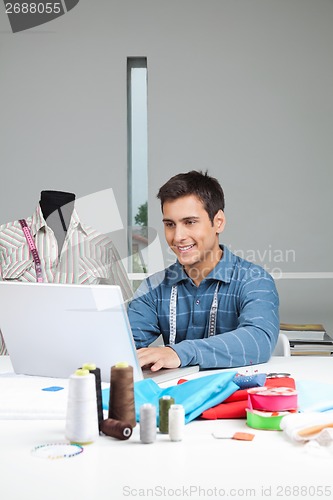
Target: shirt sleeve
<point>252,342</point>
<point>142,314</point>
<point>1,259</point>
<point>3,349</point>
<point>119,275</point>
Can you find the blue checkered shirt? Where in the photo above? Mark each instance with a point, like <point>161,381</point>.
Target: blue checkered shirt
<point>247,325</point>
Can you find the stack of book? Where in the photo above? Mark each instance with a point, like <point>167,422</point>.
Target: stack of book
<point>308,339</point>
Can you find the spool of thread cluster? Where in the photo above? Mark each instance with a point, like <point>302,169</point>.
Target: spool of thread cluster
<point>81,418</point>
<point>176,422</point>
<point>97,373</point>
<point>147,423</point>
<point>164,405</point>
<point>121,402</point>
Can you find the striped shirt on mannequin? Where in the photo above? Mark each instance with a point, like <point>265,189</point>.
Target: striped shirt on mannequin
<point>87,256</point>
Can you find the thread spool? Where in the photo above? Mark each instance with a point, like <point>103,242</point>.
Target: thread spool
<point>164,404</point>
<point>114,428</point>
<point>176,422</point>
<point>98,383</point>
<point>81,418</point>
<point>121,402</point>
<point>147,423</point>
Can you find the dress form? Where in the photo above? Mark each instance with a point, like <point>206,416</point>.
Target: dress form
<point>57,208</point>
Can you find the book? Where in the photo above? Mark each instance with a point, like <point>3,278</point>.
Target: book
<point>326,340</point>
<point>311,353</point>
<point>312,348</point>
<point>307,332</point>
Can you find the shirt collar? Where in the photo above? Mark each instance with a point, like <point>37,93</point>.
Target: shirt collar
<point>224,268</point>
<point>75,222</point>
<point>221,272</point>
<point>38,221</point>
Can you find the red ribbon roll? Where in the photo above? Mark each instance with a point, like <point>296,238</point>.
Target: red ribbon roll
<point>272,398</point>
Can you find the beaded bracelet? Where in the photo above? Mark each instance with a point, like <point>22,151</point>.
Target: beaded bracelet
<point>54,451</point>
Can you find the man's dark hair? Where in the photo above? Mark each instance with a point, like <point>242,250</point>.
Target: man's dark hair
<point>206,188</point>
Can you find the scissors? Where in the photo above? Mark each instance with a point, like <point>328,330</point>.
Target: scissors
<point>277,375</point>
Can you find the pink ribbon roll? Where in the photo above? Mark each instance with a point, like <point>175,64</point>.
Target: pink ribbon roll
<point>272,398</point>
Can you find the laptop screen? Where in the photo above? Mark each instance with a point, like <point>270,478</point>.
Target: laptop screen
<point>52,329</point>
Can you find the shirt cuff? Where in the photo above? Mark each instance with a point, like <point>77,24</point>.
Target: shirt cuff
<point>186,352</point>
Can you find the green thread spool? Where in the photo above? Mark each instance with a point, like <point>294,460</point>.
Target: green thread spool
<point>164,404</point>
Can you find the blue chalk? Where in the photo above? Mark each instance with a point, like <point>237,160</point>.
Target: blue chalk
<point>53,388</point>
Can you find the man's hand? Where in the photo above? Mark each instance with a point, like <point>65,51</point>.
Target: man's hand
<point>158,357</point>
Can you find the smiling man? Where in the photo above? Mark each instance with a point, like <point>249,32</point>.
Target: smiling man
<point>212,308</point>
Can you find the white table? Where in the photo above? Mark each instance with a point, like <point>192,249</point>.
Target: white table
<point>269,466</point>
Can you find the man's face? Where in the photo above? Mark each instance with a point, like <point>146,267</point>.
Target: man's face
<point>190,233</point>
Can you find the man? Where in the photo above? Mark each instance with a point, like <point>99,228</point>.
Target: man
<point>212,308</point>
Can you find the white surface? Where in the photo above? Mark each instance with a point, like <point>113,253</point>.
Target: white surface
<point>113,469</point>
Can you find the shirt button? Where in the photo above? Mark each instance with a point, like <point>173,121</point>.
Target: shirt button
<point>197,302</point>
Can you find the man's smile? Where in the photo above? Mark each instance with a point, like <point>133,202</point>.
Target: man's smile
<point>183,249</point>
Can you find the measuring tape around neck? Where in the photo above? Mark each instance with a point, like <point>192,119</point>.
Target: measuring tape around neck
<point>173,314</point>
<point>33,250</point>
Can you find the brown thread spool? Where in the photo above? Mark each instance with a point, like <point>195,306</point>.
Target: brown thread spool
<point>114,428</point>
<point>121,402</point>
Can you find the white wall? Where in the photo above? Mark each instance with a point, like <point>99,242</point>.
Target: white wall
<point>242,88</point>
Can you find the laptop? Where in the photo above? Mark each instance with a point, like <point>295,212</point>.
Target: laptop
<point>52,329</point>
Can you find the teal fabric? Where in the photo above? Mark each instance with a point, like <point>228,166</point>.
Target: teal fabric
<point>196,395</point>
<point>314,396</point>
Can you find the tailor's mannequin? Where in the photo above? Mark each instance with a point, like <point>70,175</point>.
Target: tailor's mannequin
<point>57,208</point>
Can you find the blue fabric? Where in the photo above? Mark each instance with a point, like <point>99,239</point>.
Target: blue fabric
<point>195,395</point>
<point>314,396</point>
<point>247,318</point>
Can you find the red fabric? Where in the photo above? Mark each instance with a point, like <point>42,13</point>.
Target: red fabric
<point>235,405</point>
<point>239,395</point>
<point>235,409</point>
<point>181,381</point>
<point>280,382</point>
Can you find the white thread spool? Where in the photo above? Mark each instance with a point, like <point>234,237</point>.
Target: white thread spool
<point>147,423</point>
<point>81,418</point>
<point>176,422</point>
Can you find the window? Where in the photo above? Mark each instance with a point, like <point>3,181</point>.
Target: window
<point>137,120</point>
